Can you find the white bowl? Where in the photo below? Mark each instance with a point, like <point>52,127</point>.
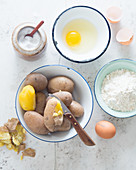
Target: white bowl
<point>82,93</point>
<point>96,18</point>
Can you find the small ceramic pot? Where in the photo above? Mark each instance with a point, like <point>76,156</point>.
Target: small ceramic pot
<point>26,45</point>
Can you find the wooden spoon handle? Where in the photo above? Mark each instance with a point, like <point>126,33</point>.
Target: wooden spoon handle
<point>81,132</point>
<point>36,28</point>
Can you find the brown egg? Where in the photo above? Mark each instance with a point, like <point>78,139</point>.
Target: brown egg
<point>105,129</point>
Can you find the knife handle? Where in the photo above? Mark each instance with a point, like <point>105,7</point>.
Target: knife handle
<point>81,132</point>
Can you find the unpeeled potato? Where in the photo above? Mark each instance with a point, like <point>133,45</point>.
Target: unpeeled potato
<point>35,122</point>
<point>37,80</point>
<point>49,120</point>
<point>66,125</point>
<point>64,96</point>
<point>40,102</point>
<point>60,83</point>
<point>76,109</point>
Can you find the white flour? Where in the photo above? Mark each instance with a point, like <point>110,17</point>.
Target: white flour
<point>119,90</point>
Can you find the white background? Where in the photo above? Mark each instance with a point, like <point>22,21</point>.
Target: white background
<point>118,153</point>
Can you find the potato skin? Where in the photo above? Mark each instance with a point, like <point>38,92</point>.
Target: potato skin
<point>40,102</point>
<point>60,83</point>
<point>35,122</point>
<point>37,80</point>
<point>48,114</point>
<point>64,96</point>
<point>76,109</point>
<point>66,125</point>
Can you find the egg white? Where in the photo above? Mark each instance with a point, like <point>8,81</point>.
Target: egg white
<point>88,34</point>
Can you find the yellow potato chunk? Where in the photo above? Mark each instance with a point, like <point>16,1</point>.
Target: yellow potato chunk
<point>27,98</point>
<point>58,109</point>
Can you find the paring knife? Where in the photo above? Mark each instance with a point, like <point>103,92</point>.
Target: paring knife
<point>81,132</point>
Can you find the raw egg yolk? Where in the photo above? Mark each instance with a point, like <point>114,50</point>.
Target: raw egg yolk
<point>73,38</point>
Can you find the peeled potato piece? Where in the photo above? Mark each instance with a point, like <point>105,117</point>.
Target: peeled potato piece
<point>114,14</point>
<point>125,36</point>
<point>52,116</point>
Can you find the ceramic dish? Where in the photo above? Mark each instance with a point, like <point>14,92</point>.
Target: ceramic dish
<point>106,69</point>
<point>82,93</point>
<point>93,16</point>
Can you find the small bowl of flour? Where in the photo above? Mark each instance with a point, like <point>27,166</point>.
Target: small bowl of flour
<point>115,88</point>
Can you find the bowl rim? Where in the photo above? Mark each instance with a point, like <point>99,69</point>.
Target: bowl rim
<point>83,61</point>
<point>109,63</point>
<point>53,66</point>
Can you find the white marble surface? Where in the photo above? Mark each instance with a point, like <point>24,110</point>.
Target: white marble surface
<point>118,153</point>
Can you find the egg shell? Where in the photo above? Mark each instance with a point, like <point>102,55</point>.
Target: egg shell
<point>124,36</point>
<point>105,129</point>
<point>114,14</point>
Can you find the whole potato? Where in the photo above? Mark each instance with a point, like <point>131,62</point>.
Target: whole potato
<point>40,102</point>
<point>35,122</point>
<point>37,80</point>
<point>64,96</point>
<point>66,125</point>
<point>60,83</point>
<point>50,121</point>
<point>76,109</point>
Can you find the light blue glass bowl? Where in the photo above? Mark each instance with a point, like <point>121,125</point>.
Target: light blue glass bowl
<point>106,69</point>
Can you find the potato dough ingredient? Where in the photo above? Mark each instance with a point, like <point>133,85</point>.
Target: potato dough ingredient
<point>64,96</point>
<point>66,125</point>
<point>37,80</point>
<point>118,90</point>
<point>60,83</point>
<point>27,98</point>
<point>53,114</point>
<point>35,122</point>
<point>105,129</point>
<point>40,102</point>
<point>76,109</point>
